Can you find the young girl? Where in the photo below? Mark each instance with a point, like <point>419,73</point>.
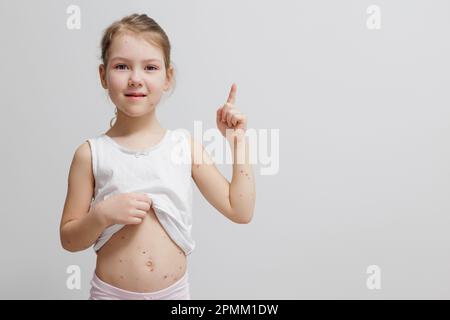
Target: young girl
<point>130,189</point>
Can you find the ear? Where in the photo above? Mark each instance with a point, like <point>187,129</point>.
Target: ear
<point>102,73</point>
<point>169,78</point>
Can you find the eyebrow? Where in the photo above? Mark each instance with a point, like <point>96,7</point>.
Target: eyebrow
<point>125,59</point>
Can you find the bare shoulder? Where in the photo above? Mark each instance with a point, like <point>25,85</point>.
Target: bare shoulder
<point>81,168</point>
<point>80,187</point>
<point>83,153</point>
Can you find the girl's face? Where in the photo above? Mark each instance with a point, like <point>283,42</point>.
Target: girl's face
<point>135,75</point>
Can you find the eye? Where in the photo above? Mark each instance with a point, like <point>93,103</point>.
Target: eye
<point>119,66</point>
<point>154,67</point>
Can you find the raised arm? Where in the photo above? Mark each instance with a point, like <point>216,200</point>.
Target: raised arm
<point>235,200</point>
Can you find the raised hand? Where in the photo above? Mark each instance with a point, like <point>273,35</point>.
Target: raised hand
<point>230,117</point>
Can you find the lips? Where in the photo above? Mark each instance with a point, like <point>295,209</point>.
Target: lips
<point>135,94</point>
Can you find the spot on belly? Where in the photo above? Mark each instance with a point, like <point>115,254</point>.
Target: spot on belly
<point>121,277</point>
<point>165,277</point>
<point>143,252</point>
<point>120,260</point>
<point>122,237</point>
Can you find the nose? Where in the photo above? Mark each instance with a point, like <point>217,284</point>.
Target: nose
<point>135,80</point>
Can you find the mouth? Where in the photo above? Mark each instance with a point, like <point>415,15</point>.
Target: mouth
<point>135,96</point>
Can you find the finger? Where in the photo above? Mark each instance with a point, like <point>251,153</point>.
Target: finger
<point>225,109</point>
<point>219,114</point>
<point>232,94</point>
<point>134,220</point>
<point>143,197</point>
<point>142,205</point>
<point>223,114</point>
<point>139,214</point>
<point>234,120</point>
<point>229,116</point>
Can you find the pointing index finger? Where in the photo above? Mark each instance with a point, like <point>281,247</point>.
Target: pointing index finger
<point>232,94</point>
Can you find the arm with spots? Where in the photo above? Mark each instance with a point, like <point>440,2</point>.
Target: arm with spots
<point>242,186</point>
<point>235,200</point>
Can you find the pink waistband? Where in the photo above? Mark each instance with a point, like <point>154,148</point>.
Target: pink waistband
<point>177,291</point>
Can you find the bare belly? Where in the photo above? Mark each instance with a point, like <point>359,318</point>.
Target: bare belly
<point>141,258</point>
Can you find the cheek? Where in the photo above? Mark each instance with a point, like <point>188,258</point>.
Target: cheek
<point>117,82</point>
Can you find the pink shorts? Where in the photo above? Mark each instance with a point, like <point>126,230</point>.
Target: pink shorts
<point>101,290</point>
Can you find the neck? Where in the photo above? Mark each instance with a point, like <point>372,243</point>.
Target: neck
<point>126,125</point>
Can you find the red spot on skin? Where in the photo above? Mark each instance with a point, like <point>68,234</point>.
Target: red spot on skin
<point>143,252</point>
<point>151,269</point>
<point>240,195</point>
<point>121,277</point>
<point>246,174</point>
<point>165,277</point>
<point>120,260</point>
<point>122,237</point>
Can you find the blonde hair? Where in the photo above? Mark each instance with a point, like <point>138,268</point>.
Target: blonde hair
<point>138,24</point>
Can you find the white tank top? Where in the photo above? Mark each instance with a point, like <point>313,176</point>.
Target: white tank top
<point>162,171</point>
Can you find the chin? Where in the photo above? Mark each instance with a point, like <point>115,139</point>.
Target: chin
<point>136,110</point>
